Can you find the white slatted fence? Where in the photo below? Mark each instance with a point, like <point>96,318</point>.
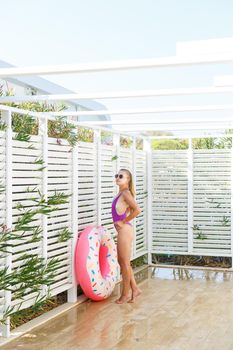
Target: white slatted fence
<point>87,185</point>
<point>170,201</point>
<point>44,166</point>
<point>59,178</point>
<point>212,201</point>
<point>204,224</point>
<point>108,187</point>
<point>2,207</point>
<point>141,197</point>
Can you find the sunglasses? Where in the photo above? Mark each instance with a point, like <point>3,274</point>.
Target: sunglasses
<point>120,176</point>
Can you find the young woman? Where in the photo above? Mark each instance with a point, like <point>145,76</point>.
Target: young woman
<point>124,209</point>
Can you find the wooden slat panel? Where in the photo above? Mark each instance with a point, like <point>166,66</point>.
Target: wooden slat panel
<point>212,200</point>
<point>169,200</point>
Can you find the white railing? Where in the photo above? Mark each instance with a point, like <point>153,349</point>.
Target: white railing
<point>86,172</point>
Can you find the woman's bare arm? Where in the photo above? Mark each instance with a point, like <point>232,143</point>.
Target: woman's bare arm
<point>133,205</point>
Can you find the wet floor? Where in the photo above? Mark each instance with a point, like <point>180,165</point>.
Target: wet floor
<point>178,309</point>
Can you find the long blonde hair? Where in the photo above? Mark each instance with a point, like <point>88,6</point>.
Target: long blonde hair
<point>131,183</point>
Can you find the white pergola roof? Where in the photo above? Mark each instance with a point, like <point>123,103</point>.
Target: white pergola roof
<point>181,119</point>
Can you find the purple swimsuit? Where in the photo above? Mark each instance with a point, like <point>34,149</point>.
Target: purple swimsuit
<point>115,215</point>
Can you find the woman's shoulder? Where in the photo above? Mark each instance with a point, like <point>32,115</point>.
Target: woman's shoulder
<point>126,193</point>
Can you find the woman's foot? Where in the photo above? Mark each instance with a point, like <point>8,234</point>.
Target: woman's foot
<point>135,294</point>
<point>123,299</point>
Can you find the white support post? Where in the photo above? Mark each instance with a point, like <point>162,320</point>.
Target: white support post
<point>6,117</point>
<point>72,292</point>
<point>97,142</point>
<point>232,201</point>
<point>190,197</point>
<point>134,174</point>
<point>147,148</point>
<point>43,132</point>
<point>116,142</point>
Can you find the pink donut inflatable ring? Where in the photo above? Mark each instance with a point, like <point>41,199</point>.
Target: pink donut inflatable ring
<point>96,263</point>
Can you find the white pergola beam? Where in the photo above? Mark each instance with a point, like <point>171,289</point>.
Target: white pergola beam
<point>19,111</point>
<point>161,120</point>
<point>118,94</point>
<point>169,126</point>
<point>217,126</point>
<point>51,117</point>
<point>135,111</point>
<point>184,127</point>
<point>223,81</point>
<point>172,61</point>
<point>184,136</point>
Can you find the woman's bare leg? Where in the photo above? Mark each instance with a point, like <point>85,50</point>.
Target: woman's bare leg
<point>135,290</point>
<point>124,240</point>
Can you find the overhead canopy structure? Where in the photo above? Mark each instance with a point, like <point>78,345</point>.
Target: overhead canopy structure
<point>169,118</point>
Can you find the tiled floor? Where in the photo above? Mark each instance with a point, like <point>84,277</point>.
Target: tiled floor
<point>179,309</point>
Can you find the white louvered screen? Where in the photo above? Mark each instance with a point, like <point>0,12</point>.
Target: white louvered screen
<point>108,187</point>
<point>87,185</point>
<point>2,204</point>
<point>59,181</point>
<point>126,159</point>
<point>141,197</point>
<point>212,201</point>
<point>170,201</point>
<point>32,179</point>
<point>26,182</point>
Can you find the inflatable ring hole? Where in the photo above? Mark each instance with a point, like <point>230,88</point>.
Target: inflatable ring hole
<point>103,261</point>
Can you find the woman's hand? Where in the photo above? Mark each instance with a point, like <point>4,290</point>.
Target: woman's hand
<point>118,224</point>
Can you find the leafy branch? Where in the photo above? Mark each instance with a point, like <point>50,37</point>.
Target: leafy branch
<point>199,233</point>
<point>225,221</point>
<point>3,126</point>
<point>114,158</point>
<point>30,275</point>
<point>65,235</point>
<point>61,129</point>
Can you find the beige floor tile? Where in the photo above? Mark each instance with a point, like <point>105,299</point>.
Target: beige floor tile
<point>178,310</point>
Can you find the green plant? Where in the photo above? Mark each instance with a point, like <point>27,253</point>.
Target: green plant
<point>30,275</point>
<point>33,271</point>
<point>169,144</point>
<point>41,162</point>
<point>139,144</point>
<point>212,142</point>
<point>106,138</point>
<point>10,310</point>
<point>42,304</point>
<point>199,233</point>
<point>24,126</point>
<point>138,262</point>
<point>85,134</point>
<point>64,235</point>
<point>3,126</point>
<point>225,221</point>
<point>40,301</point>
<point>126,142</point>
<point>6,236</point>
<point>58,198</point>
<point>196,227</point>
<point>61,129</point>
